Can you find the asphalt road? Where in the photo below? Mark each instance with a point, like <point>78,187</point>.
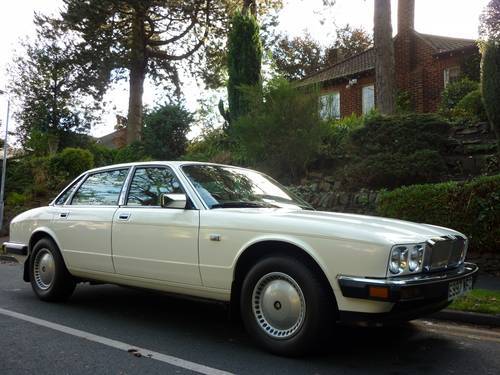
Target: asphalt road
<point>93,332</point>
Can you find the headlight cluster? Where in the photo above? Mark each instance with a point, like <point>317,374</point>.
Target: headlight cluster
<point>406,259</point>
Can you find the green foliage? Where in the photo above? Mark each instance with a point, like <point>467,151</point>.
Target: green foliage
<point>282,131</point>
<point>102,155</point>
<point>301,56</point>
<point>165,131</point>
<point>389,170</point>
<point>471,208</point>
<point>478,300</point>
<point>399,134</point>
<point>456,91</point>
<point>69,163</point>
<point>54,110</point>
<point>243,61</point>
<point>404,102</point>
<point>491,84</point>
<point>131,153</point>
<point>338,131</point>
<point>212,146</point>
<point>470,66</point>
<point>15,199</point>
<point>471,107</point>
<point>391,151</point>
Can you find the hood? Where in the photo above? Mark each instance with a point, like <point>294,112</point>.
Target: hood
<point>363,228</point>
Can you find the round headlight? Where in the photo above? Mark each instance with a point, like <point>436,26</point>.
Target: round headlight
<point>399,259</point>
<point>416,258</point>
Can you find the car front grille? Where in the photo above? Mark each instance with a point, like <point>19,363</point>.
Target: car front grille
<point>444,252</point>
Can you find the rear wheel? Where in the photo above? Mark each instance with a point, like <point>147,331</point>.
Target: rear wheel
<point>49,276</point>
<point>286,307</point>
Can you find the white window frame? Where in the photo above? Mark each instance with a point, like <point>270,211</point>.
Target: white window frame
<point>329,105</point>
<point>450,74</point>
<point>367,107</point>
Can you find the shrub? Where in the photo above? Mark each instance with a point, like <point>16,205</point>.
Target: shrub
<point>209,146</point>
<point>102,155</point>
<point>70,162</point>
<point>390,170</point>
<point>471,208</point>
<point>491,85</point>
<point>282,131</point>
<point>17,199</point>
<point>131,153</point>
<point>456,91</point>
<point>471,107</point>
<point>337,134</point>
<point>399,134</point>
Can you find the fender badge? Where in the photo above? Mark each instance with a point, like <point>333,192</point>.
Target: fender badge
<point>214,237</point>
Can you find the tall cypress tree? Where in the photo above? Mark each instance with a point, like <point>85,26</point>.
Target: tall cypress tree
<point>491,84</point>
<point>243,61</point>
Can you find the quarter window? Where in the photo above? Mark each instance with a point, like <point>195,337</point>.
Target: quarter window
<point>149,183</point>
<point>101,189</point>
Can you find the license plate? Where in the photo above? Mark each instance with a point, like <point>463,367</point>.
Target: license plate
<point>458,288</point>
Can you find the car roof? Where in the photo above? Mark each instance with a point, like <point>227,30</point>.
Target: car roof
<point>174,163</point>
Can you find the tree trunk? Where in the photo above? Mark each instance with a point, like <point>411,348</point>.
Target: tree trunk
<point>250,5</point>
<point>385,86</point>
<point>137,73</point>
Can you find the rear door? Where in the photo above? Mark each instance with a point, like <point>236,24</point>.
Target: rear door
<point>83,225</point>
<point>154,242</point>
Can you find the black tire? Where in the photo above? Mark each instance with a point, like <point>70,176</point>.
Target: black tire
<point>315,322</point>
<point>61,284</point>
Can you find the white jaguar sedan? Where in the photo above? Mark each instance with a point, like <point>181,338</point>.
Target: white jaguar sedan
<point>235,235</point>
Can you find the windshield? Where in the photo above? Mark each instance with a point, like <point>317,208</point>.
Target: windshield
<point>221,186</point>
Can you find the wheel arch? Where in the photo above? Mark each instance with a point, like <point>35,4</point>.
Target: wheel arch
<point>262,248</point>
<point>36,236</point>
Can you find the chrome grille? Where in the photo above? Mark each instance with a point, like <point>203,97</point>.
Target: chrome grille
<point>444,252</point>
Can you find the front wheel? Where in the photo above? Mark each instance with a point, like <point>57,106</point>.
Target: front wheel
<point>49,276</point>
<point>286,307</point>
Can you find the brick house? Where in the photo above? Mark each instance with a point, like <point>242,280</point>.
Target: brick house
<point>425,64</point>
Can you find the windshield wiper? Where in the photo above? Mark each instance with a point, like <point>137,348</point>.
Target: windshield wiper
<point>242,204</point>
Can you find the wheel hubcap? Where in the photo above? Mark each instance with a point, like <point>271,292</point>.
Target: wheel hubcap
<point>278,305</point>
<point>44,269</point>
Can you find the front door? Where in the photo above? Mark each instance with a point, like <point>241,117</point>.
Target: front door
<point>154,242</point>
<point>83,226</point>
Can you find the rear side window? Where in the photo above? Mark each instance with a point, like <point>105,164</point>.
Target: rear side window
<point>149,183</point>
<point>101,189</point>
<point>67,193</point>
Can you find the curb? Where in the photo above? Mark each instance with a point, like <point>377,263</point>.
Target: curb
<point>8,258</point>
<point>467,317</point>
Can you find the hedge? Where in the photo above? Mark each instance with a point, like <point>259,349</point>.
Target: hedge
<point>472,208</point>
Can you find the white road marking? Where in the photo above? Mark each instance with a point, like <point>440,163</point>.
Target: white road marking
<point>188,365</point>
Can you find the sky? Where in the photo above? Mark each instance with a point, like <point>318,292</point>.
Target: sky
<point>456,18</point>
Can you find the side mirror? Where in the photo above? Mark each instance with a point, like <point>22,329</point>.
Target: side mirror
<point>178,201</point>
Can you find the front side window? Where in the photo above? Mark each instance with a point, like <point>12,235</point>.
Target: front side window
<point>226,187</point>
<point>149,183</point>
<point>329,106</point>
<point>67,193</point>
<point>101,189</point>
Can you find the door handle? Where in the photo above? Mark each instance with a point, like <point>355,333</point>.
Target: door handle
<point>63,215</point>
<point>124,216</point>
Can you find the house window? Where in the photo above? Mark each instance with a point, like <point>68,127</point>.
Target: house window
<point>367,98</point>
<point>451,74</point>
<point>329,106</point>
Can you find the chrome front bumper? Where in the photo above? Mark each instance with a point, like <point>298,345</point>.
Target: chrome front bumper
<point>425,286</point>
<point>16,248</point>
